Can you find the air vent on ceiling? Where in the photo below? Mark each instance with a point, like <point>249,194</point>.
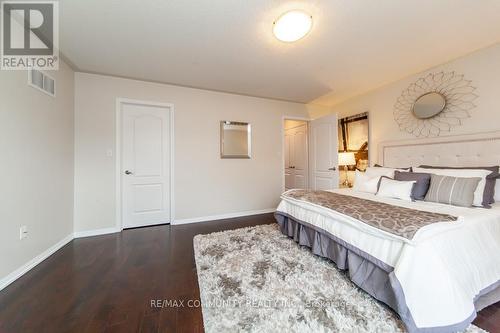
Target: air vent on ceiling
<point>42,82</point>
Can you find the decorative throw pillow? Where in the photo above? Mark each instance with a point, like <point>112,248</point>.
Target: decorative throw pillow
<point>465,173</point>
<point>365,183</point>
<point>423,181</point>
<point>390,188</point>
<point>491,180</point>
<point>452,190</point>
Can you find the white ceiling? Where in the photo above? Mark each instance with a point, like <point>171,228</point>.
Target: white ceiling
<point>227,45</point>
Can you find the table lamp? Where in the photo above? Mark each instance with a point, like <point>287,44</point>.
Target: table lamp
<point>346,159</point>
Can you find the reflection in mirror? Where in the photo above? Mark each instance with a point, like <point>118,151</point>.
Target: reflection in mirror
<point>235,139</point>
<point>429,105</point>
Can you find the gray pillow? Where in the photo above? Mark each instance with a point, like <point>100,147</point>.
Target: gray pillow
<point>421,186</point>
<point>452,190</point>
<point>489,188</point>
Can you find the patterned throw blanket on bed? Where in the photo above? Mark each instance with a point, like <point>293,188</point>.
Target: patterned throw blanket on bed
<point>400,221</point>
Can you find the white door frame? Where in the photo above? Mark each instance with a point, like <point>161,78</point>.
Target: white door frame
<point>118,154</point>
<point>283,118</point>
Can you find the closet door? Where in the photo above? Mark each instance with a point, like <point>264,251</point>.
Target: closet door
<point>300,157</point>
<point>289,184</point>
<point>296,158</point>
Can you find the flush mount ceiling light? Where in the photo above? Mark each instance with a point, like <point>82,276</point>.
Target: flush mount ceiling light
<point>292,26</point>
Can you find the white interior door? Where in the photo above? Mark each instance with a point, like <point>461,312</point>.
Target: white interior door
<point>300,158</point>
<point>145,165</point>
<point>296,157</point>
<point>324,153</point>
<point>289,184</point>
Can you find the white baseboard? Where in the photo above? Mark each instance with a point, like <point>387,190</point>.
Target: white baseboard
<point>96,232</point>
<point>33,262</point>
<point>223,216</point>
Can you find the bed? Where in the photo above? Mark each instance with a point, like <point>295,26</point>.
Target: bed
<point>437,277</point>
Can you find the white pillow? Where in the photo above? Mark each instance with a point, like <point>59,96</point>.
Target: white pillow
<point>390,188</point>
<point>365,183</point>
<point>382,171</point>
<point>463,173</point>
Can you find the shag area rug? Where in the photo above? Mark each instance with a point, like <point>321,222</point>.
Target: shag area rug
<point>258,280</point>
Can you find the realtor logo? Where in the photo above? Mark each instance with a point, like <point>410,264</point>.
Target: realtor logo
<point>29,35</point>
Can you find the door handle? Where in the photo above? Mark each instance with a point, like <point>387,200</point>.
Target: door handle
<point>128,172</point>
<point>332,169</point>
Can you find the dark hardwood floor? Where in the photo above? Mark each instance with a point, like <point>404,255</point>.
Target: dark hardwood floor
<point>106,284</point>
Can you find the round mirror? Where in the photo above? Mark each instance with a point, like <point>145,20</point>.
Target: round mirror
<point>429,105</point>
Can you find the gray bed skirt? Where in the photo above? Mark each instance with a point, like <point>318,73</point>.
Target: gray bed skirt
<point>370,274</point>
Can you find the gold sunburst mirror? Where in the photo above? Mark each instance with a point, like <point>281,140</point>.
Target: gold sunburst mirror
<point>434,104</point>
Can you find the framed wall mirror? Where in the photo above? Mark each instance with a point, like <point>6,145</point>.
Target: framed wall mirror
<point>235,139</point>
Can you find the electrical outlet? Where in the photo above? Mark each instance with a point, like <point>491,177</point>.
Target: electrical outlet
<point>23,232</point>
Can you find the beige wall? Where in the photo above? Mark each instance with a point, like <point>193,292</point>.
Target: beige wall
<point>316,111</point>
<point>205,184</point>
<point>36,171</point>
<point>482,67</point>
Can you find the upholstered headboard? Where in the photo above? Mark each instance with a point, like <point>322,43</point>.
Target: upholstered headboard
<point>481,149</point>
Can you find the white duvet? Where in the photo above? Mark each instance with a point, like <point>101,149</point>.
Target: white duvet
<point>441,270</point>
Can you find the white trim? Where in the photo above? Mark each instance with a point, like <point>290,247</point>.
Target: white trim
<point>33,262</point>
<point>223,216</point>
<point>96,232</point>
<point>118,178</point>
<point>283,118</point>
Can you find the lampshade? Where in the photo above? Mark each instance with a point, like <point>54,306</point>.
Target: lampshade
<point>347,159</point>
